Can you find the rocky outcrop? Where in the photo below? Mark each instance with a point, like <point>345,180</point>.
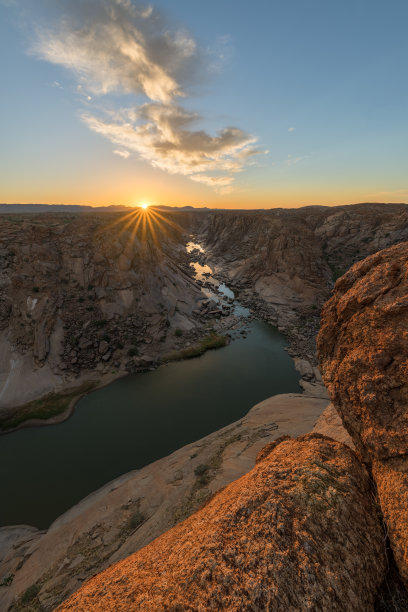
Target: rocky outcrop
<point>90,294</point>
<point>363,350</point>
<point>131,511</point>
<point>262,543</point>
<point>391,478</point>
<point>284,262</point>
<point>330,424</point>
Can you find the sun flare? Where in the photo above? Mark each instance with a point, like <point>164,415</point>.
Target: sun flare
<point>144,205</point>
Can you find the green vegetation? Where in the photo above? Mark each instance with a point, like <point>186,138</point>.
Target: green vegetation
<point>336,272</point>
<point>46,407</point>
<point>36,289</point>
<point>204,472</point>
<point>135,520</point>
<point>212,341</point>
<point>178,332</point>
<point>7,580</point>
<point>30,594</point>
<point>132,352</point>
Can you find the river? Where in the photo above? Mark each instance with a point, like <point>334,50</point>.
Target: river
<point>138,419</point>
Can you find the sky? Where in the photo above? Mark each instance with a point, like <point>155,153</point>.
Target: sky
<point>222,103</point>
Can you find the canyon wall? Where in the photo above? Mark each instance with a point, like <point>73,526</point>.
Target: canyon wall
<point>88,295</point>
<point>284,262</point>
<point>307,527</point>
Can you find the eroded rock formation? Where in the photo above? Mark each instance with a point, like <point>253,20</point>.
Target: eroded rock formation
<point>96,293</point>
<point>284,262</point>
<point>298,532</point>
<point>363,351</point>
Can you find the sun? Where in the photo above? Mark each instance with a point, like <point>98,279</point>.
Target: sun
<point>144,205</point>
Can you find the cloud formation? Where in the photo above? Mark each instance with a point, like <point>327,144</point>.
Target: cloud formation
<point>163,135</point>
<point>118,47</point>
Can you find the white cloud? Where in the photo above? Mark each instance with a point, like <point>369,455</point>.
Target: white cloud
<point>163,135</point>
<point>291,129</point>
<point>124,154</point>
<point>116,47</point>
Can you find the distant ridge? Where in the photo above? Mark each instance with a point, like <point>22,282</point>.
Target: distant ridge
<point>45,208</point>
<point>79,208</point>
<point>82,208</point>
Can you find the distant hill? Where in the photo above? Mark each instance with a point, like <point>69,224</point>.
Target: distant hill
<point>78,208</point>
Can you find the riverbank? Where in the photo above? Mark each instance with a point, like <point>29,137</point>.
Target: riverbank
<point>55,408</point>
<point>213,324</point>
<point>126,514</point>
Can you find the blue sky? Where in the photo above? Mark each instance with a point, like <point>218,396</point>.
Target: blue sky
<point>227,104</point>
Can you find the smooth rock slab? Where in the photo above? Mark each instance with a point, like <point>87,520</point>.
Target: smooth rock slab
<point>299,532</point>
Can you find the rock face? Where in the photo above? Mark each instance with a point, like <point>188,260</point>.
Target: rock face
<point>88,294</point>
<point>330,424</point>
<point>131,511</point>
<point>391,478</point>
<point>262,543</point>
<point>84,296</point>
<point>284,262</point>
<point>363,350</point>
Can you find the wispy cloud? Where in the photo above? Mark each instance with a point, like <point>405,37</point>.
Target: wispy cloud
<point>291,129</point>
<point>118,47</point>
<point>122,153</point>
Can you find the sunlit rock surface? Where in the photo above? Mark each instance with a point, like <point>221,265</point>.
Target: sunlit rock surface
<point>363,350</point>
<point>298,532</point>
<point>131,511</point>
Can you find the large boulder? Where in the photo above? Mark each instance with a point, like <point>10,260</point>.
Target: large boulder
<point>298,532</point>
<point>363,352</point>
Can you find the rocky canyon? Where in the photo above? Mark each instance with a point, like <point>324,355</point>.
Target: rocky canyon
<point>301,504</point>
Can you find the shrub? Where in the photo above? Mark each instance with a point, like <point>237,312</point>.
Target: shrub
<point>178,333</point>
<point>30,593</point>
<point>201,469</point>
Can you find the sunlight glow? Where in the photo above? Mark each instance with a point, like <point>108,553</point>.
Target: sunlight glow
<point>145,227</point>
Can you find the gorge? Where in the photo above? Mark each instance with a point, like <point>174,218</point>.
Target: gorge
<point>281,263</point>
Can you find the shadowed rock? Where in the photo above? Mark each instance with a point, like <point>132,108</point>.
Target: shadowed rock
<point>298,532</point>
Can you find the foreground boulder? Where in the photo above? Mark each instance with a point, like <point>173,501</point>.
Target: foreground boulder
<point>363,351</point>
<point>298,532</point>
<point>391,478</point>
